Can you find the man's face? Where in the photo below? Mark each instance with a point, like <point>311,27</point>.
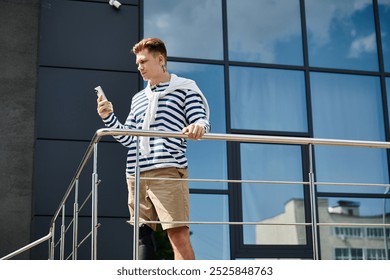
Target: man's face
<point>149,65</point>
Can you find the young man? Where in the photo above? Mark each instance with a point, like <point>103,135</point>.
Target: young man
<point>168,103</point>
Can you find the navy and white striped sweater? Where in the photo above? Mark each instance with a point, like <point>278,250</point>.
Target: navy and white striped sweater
<point>175,111</point>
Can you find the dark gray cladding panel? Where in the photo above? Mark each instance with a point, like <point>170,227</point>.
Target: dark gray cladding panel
<point>85,34</point>
<point>56,163</point>
<point>66,101</point>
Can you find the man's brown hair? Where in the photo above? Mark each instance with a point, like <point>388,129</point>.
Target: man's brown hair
<point>153,45</point>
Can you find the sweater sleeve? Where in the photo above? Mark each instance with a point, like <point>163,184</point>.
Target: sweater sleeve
<point>196,111</point>
<point>112,122</point>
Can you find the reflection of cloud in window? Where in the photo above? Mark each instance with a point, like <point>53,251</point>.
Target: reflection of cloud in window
<point>189,28</point>
<point>384,2</point>
<point>256,27</point>
<point>362,45</point>
<point>322,15</point>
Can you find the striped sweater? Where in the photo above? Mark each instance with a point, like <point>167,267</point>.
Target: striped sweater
<point>175,111</point>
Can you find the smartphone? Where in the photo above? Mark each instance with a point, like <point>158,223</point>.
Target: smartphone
<point>99,92</point>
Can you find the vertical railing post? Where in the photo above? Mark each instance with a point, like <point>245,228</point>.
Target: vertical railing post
<point>136,205</point>
<point>62,243</point>
<point>49,246</point>
<point>94,205</point>
<point>313,204</point>
<point>386,245</point>
<point>52,241</point>
<point>75,220</point>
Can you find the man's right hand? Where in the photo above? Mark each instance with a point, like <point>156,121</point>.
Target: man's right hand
<point>104,107</point>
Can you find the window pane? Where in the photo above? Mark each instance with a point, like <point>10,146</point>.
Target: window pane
<point>351,165</point>
<point>384,19</point>
<point>210,79</point>
<point>188,28</point>
<point>272,203</point>
<point>265,31</point>
<point>341,34</point>
<point>210,241</point>
<point>348,107</point>
<point>267,99</point>
<point>365,241</point>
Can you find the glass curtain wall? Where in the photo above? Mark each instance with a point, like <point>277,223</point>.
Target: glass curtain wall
<point>287,68</point>
<point>349,104</point>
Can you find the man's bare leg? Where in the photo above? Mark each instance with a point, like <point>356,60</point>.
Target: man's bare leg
<point>181,245</point>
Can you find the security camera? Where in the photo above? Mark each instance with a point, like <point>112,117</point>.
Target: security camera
<point>115,3</point>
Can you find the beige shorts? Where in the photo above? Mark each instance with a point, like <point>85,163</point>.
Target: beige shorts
<point>162,200</point>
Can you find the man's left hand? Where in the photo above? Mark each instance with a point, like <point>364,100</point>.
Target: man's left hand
<point>194,131</point>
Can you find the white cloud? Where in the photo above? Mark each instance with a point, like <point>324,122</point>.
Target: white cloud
<point>187,29</point>
<point>321,15</point>
<point>384,2</point>
<point>258,26</point>
<point>362,45</point>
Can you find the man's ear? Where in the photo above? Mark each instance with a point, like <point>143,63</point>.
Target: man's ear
<point>161,59</point>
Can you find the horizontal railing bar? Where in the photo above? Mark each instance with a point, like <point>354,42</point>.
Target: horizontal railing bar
<point>354,224</point>
<point>263,182</point>
<point>246,138</point>
<point>84,239</point>
<point>225,181</point>
<point>227,223</point>
<point>85,201</point>
<point>27,247</point>
<point>352,184</point>
<point>58,242</point>
<point>69,256</point>
<point>69,225</point>
<point>268,224</point>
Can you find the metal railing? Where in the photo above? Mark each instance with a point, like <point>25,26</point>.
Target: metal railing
<point>93,195</point>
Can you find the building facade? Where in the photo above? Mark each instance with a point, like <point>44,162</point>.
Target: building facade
<point>301,68</point>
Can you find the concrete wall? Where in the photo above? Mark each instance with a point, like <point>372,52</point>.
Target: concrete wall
<point>19,21</point>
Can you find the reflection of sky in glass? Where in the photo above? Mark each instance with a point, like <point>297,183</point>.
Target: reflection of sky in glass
<point>351,165</point>
<point>210,242</point>
<point>189,28</point>
<point>348,107</point>
<point>210,79</point>
<point>341,34</point>
<point>207,159</point>
<point>384,18</point>
<point>265,31</point>
<point>268,162</point>
<point>267,99</point>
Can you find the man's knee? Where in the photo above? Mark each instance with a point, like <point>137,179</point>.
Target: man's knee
<point>180,235</point>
